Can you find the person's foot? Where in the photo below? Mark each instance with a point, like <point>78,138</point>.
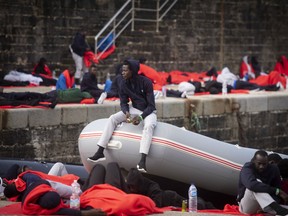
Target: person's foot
<point>102,97</point>
<point>97,157</point>
<point>279,209</point>
<point>141,167</point>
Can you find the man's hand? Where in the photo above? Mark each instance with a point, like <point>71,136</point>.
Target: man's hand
<point>136,120</point>
<point>284,196</point>
<point>128,120</point>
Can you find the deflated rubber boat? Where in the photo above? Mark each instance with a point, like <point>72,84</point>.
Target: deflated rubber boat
<point>175,153</point>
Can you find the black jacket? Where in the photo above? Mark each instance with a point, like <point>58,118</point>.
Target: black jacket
<point>270,178</point>
<point>139,89</point>
<point>79,45</point>
<point>147,187</point>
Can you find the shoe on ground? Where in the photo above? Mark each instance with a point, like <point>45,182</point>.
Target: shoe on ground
<point>97,157</point>
<point>102,97</point>
<point>142,167</point>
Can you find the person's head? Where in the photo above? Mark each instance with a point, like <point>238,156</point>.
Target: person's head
<point>42,61</point>
<point>49,200</point>
<point>11,191</point>
<point>142,60</point>
<point>274,158</point>
<point>134,180</point>
<point>93,69</point>
<point>130,68</point>
<point>260,160</point>
<point>72,71</point>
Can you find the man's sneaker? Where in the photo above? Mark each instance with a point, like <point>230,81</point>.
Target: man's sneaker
<point>279,209</point>
<point>141,167</point>
<point>97,157</point>
<point>102,97</point>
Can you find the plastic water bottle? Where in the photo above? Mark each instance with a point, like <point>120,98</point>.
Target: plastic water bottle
<point>224,88</point>
<point>192,196</point>
<point>75,197</point>
<point>164,91</point>
<point>108,83</point>
<point>286,84</point>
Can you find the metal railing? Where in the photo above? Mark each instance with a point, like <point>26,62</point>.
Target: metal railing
<point>125,16</point>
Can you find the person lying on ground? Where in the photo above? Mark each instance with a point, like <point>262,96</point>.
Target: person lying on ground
<point>39,197</point>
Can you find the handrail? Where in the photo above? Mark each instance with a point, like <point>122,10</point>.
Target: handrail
<point>112,23</point>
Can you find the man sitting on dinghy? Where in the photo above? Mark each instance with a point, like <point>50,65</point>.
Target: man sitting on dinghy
<point>139,90</point>
<point>259,187</point>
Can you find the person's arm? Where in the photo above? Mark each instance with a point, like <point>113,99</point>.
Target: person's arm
<point>150,100</point>
<point>155,193</point>
<point>124,100</point>
<point>249,180</point>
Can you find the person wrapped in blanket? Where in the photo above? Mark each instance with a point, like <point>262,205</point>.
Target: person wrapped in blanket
<point>104,192</point>
<point>42,193</point>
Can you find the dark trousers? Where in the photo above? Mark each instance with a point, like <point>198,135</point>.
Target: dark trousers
<point>111,175</point>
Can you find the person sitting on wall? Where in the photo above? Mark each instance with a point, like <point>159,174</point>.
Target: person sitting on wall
<point>89,83</point>
<point>246,69</point>
<point>282,65</point>
<point>66,79</point>
<point>42,70</point>
<point>260,187</point>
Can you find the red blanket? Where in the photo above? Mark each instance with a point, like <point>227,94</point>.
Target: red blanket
<point>116,202</point>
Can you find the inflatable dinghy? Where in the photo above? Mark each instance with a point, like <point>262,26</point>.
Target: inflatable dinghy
<point>175,153</point>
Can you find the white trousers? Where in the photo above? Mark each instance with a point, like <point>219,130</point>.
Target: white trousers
<point>79,64</point>
<point>58,169</point>
<point>149,123</point>
<point>252,202</point>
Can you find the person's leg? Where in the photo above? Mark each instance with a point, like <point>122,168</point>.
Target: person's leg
<point>78,64</point>
<point>58,169</point>
<point>113,121</point>
<point>114,177</point>
<point>253,202</point>
<point>96,176</point>
<point>249,204</point>
<point>150,123</point>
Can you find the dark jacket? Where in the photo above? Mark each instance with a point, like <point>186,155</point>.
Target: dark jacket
<point>139,89</point>
<point>270,178</point>
<point>147,187</point>
<point>89,82</point>
<point>79,45</point>
<point>115,87</point>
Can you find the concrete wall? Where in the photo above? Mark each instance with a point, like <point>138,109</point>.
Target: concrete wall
<point>254,120</point>
<point>194,35</point>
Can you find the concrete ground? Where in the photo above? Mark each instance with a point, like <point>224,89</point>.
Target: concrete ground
<point>167,213</point>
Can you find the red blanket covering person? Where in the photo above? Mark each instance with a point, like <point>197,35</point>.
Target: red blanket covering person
<point>30,206</point>
<point>114,201</point>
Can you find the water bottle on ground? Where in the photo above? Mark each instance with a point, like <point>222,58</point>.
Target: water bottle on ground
<point>224,88</point>
<point>75,197</point>
<point>192,196</point>
<point>164,91</point>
